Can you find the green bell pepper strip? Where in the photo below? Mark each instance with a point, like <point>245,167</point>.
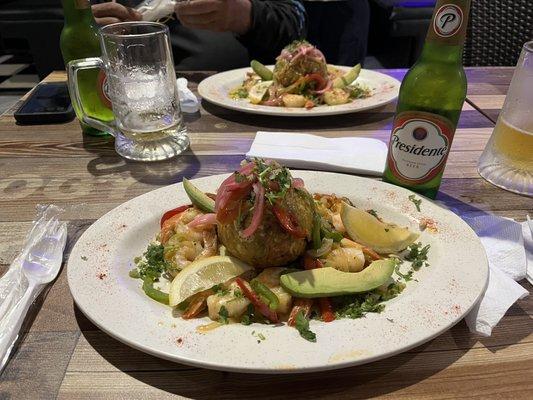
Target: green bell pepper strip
<point>331,234</point>
<point>267,295</point>
<point>153,293</point>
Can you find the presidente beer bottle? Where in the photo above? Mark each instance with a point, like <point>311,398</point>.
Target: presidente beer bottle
<point>429,104</point>
<point>79,39</point>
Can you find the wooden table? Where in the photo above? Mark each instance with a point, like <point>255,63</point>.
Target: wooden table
<point>63,355</point>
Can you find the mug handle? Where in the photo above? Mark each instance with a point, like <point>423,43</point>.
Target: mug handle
<point>73,67</point>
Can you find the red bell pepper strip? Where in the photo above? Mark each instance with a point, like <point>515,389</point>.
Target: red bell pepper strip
<point>175,211</point>
<point>299,304</point>
<point>326,309</point>
<point>288,222</point>
<point>256,301</point>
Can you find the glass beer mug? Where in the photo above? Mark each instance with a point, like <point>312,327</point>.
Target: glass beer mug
<point>507,161</point>
<point>141,87</point>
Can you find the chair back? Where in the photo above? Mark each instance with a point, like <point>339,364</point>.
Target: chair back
<point>497,31</point>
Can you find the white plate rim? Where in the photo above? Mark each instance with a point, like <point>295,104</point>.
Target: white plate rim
<point>85,307</point>
<point>215,82</point>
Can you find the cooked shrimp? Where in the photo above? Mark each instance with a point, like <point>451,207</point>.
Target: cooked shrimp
<point>329,207</point>
<point>347,259</point>
<point>270,278</point>
<point>234,305</point>
<point>184,245</point>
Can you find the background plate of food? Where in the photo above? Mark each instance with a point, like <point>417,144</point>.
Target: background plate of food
<point>269,271</point>
<point>300,84</point>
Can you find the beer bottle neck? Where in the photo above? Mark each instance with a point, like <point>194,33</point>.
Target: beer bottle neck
<point>78,11</point>
<point>447,32</point>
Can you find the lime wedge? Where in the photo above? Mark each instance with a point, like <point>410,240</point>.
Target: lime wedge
<point>203,274</point>
<point>258,91</point>
<point>370,231</point>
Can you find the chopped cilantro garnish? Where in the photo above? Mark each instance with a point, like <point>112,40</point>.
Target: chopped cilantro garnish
<point>415,201</point>
<point>418,255</point>
<point>408,276</point>
<point>302,325</point>
<point>223,315</point>
<point>238,294</point>
<point>152,264</point>
<point>220,290</point>
<point>274,178</point>
<point>357,92</point>
<point>246,319</point>
<point>356,306</point>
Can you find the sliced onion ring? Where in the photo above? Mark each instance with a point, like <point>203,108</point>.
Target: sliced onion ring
<point>325,248</point>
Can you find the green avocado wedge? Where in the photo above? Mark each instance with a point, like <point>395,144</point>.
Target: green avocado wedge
<point>347,78</point>
<point>198,198</point>
<point>322,282</point>
<point>263,72</point>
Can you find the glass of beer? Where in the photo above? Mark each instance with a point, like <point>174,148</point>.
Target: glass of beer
<point>140,85</point>
<point>507,161</point>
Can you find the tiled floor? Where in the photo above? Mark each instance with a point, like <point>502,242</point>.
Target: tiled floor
<point>16,78</point>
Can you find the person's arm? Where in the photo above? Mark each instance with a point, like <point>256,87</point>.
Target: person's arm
<point>264,27</point>
<point>111,13</point>
<point>275,23</point>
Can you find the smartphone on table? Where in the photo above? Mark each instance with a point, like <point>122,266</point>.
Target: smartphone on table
<point>48,103</point>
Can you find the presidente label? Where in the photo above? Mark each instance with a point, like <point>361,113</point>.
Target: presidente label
<point>448,20</point>
<point>419,146</point>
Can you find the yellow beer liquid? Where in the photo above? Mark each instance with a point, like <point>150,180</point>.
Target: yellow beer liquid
<point>514,145</point>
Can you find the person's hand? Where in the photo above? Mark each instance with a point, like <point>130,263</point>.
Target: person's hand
<point>110,13</point>
<point>216,15</point>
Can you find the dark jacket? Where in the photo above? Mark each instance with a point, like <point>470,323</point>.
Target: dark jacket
<point>275,23</point>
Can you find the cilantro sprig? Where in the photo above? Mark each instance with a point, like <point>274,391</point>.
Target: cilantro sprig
<point>152,264</point>
<point>418,255</point>
<point>302,325</point>
<point>415,201</point>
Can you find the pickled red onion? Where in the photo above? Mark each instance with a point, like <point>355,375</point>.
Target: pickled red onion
<point>203,220</point>
<point>259,205</point>
<point>298,183</point>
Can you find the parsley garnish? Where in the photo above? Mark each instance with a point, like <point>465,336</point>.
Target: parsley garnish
<point>223,315</point>
<point>415,201</point>
<point>238,294</point>
<point>302,325</point>
<point>418,255</point>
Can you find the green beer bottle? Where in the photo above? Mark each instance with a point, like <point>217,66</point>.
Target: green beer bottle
<point>79,39</point>
<point>430,102</point>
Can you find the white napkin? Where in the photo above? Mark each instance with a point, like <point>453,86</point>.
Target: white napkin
<point>188,101</point>
<point>300,150</point>
<point>509,261</point>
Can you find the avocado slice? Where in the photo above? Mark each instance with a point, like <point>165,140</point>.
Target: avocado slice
<point>198,198</point>
<point>347,78</point>
<point>321,282</point>
<point>263,72</point>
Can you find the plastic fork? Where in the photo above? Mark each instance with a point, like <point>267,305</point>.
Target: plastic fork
<point>40,266</point>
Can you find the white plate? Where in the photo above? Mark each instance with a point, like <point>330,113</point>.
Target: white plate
<point>216,88</point>
<point>443,293</point>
